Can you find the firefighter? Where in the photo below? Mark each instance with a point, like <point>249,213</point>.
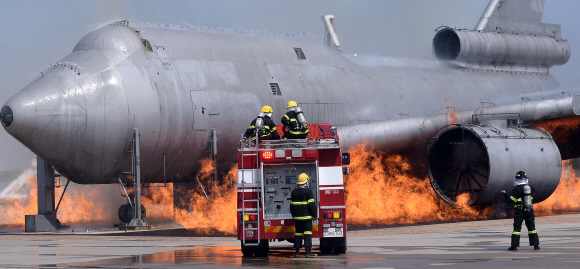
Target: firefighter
<point>303,210</point>
<point>295,126</point>
<point>264,125</point>
<point>522,196</point>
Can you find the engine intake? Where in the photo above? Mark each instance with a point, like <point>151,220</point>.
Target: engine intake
<point>480,161</point>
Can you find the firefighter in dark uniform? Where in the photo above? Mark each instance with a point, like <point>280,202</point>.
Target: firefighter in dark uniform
<point>522,196</point>
<point>303,210</point>
<point>295,126</point>
<point>265,126</point>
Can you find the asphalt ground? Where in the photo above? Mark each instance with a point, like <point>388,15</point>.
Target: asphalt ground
<point>471,244</point>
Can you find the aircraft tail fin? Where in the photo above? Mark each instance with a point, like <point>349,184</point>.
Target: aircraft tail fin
<point>518,17</point>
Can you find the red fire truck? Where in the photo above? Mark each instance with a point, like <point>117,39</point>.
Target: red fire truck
<point>267,174</point>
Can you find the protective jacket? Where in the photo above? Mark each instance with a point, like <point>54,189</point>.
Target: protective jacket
<point>517,196</point>
<point>302,206</point>
<point>268,131</point>
<point>295,129</point>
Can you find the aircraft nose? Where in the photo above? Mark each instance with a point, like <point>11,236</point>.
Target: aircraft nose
<point>48,115</point>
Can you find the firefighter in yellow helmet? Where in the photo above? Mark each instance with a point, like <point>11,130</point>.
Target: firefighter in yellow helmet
<point>295,125</point>
<point>303,209</point>
<point>522,195</point>
<point>264,125</point>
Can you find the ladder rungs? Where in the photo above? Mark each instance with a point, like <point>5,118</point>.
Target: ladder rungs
<point>251,200</point>
<point>250,229</point>
<point>251,244</point>
<point>251,213</point>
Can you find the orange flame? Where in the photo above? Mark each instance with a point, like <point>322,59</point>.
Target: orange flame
<point>565,198</point>
<point>219,213</point>
<point>561,129</point>
<point>382,190</point>
<point>20,199</point>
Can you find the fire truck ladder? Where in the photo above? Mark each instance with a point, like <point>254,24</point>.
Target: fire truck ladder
<point>244,200</point>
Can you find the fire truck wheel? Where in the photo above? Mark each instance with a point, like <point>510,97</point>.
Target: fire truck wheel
<point>263,249</point>
<point>247,251</point>
<point>340,249</point>
<point>325,249</point>
<point>336,243</point>
<point>259,251</point>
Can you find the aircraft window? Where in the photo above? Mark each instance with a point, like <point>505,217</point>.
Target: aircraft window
<point>146,45</point>
<point>275,89</point>
<point>300,53</point>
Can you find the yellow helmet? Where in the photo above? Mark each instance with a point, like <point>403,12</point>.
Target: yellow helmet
<point>302,179</point>
<point>292,104</point>
<point>267,109</point>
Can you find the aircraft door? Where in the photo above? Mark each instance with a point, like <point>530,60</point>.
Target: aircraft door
<point>200,110</point>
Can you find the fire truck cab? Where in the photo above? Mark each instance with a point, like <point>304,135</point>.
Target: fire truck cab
<point>267,174</point>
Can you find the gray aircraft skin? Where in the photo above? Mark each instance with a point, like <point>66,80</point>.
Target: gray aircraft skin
<point>177,83</point>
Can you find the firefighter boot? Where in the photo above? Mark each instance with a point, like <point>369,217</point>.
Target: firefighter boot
<point>534,240</point>
<point>309,253</point>
<point>515,242</point>
<point>297,245</point>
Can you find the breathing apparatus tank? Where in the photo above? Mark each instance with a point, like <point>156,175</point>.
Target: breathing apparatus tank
<point>527,196</point>
<point>259,122</point>
<point>300,116</point>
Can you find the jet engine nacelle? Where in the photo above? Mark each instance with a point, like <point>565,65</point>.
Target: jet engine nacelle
<point>481,161</point>
<point>499,48</point>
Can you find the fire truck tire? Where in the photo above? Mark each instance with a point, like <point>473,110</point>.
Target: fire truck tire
<point>325,249</point>
<point>263,249</point>
<point>259,251</point>
<point>338,244</point>
<point>340,249</point>
<point>247,251</point>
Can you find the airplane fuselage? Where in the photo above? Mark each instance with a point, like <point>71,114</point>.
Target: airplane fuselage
<point>176,84</point>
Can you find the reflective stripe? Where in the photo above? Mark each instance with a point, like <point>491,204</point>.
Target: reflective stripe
<point>303,218</point>
<point>516,233</point>
<point>299,203</point>
<point>286,116</point>
<point>311,201</point>
<point>298,132</point>
<point>308,232</point>
<point>252,126</point>
<point>292,119</point>
<point>298,234</point>
<point>532,232</point>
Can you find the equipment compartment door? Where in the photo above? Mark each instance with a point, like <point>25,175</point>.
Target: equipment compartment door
<point>279,181</point>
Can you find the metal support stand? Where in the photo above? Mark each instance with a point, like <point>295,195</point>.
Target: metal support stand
<point>138,220</point>
<point>214,158</point>
<point>45,220</point>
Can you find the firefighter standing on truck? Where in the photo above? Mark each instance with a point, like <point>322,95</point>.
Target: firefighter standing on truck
<point>264,125</point>
<point>303,209</point>
<point>522,196</point>
<point>295,126</point>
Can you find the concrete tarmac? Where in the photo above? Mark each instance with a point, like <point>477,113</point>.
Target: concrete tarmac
<point>472,244</point>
